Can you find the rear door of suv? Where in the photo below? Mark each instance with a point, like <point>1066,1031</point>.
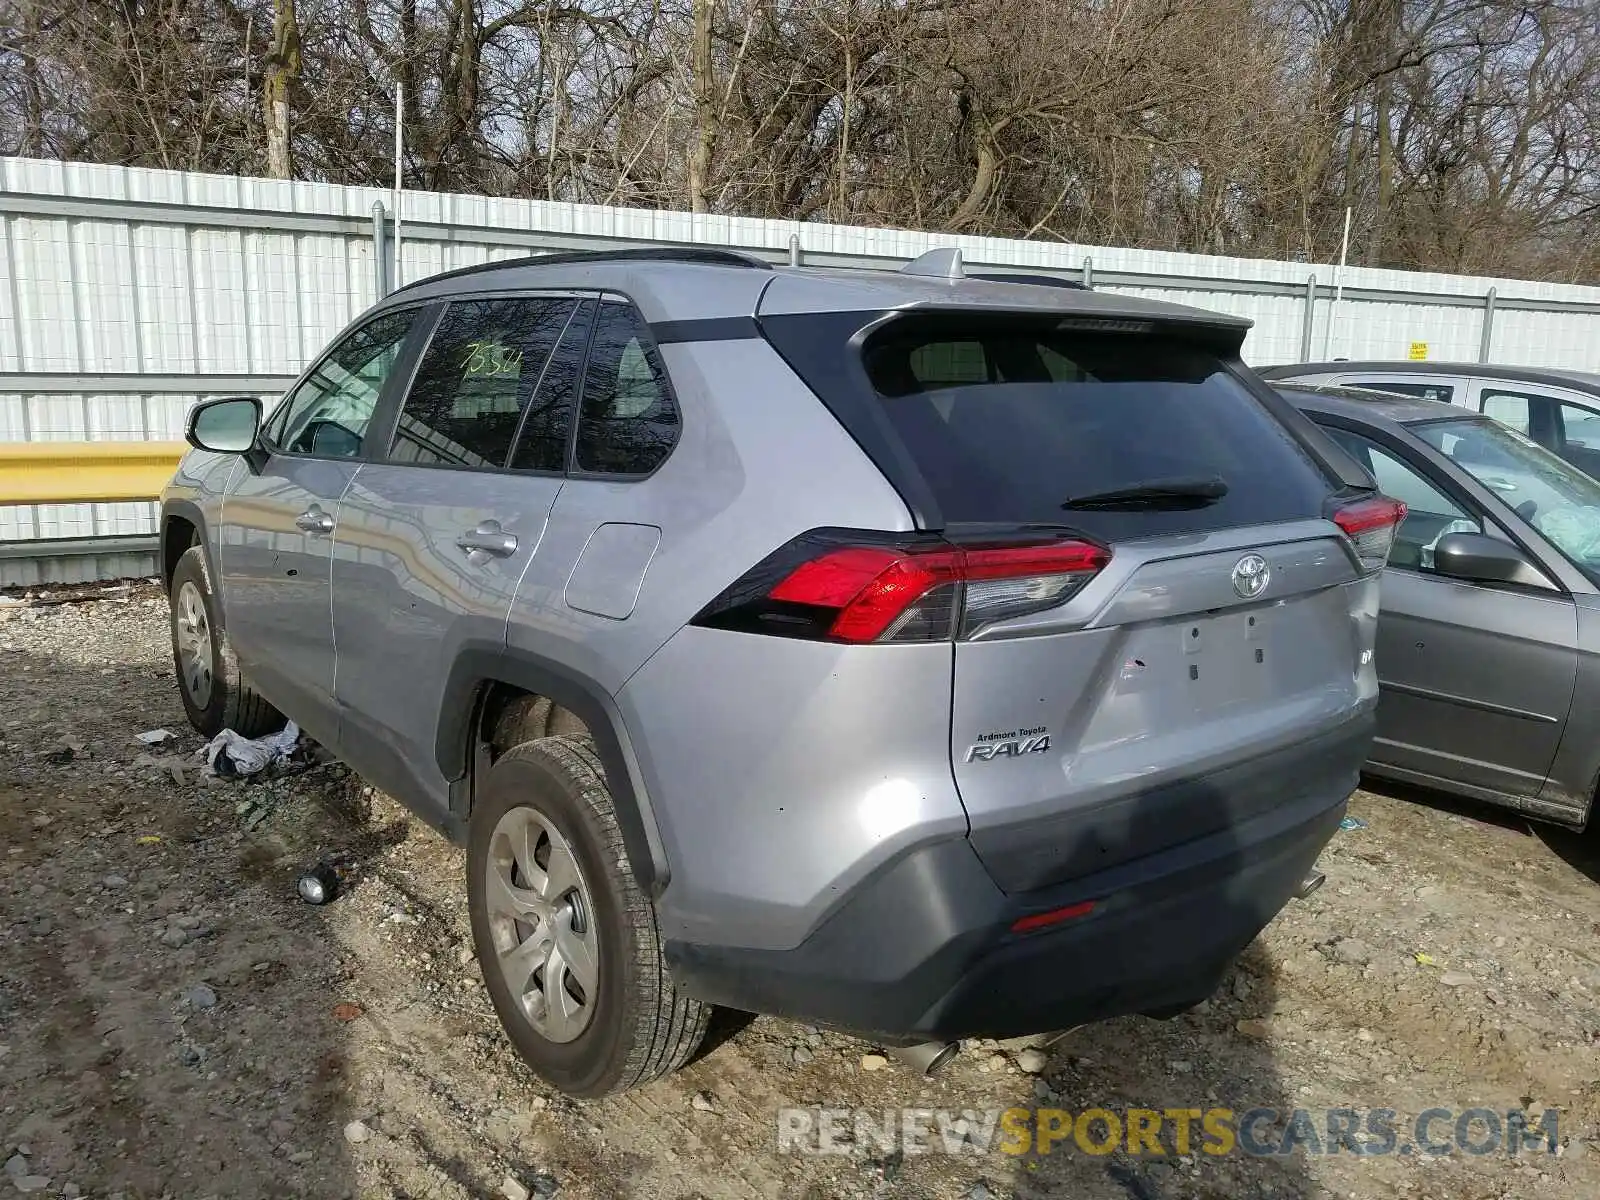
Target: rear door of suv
<point>583,604</point>
<point>1190,646</point>
<point>435,536</point>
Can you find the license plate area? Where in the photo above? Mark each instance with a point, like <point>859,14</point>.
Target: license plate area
<point>1224,659</point>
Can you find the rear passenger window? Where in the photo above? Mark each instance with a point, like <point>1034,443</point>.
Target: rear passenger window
<point>628,422</point>
<point>476,378</point>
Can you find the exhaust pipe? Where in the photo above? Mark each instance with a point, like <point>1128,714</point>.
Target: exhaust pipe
<point>926,1058</point>
<point>1309,884</point>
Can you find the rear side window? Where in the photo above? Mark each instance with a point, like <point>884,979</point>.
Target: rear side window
<point>1012,424</point>
<point>1509,408</point>
<point>547,425</point>
<point>628,423</point>
<point>477,376</point>
<point>1580,427</point>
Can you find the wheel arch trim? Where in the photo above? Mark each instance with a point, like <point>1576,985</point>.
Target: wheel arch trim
<point>480,663</point>
<point>191,514</point>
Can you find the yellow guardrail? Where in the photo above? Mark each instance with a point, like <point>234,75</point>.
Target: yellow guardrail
<point>80,472</point>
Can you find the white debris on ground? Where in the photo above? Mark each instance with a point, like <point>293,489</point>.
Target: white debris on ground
<point>234,756</point>
<point>172,1016</point>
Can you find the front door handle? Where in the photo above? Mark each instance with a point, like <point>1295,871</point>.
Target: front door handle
<point>488,538</point>
<point>314,520</point>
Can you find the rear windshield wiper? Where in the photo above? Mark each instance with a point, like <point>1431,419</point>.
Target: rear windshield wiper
<point>1177,491</point>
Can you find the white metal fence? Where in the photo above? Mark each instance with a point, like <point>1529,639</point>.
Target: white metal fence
<point>127,294</point>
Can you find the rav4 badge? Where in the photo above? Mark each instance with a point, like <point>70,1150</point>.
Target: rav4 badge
<point>1009,745</point>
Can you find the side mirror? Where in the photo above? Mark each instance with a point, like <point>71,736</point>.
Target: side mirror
<point>1483,559</point>
<point>227,426</point>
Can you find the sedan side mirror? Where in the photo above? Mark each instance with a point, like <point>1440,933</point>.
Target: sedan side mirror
<point>226,426</point>
<point>1482,559</point>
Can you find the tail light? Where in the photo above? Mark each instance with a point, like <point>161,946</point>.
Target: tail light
<point>1371,525</point>
<point>844,587</point>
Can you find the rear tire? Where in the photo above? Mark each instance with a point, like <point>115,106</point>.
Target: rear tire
<point>589,1030</point>
<point>529,718</point>
<point>216,695</point>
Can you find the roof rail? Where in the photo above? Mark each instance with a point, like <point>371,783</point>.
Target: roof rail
<point>1032,280</point>
<point>708,256</point>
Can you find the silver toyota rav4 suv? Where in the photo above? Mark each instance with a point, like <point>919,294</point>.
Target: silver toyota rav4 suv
<point>917,654</point>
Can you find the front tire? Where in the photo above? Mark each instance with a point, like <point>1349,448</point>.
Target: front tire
<point>567,940</point>
<point>216,696</point>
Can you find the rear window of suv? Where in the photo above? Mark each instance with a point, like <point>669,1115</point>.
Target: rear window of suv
<point>1008,421</point>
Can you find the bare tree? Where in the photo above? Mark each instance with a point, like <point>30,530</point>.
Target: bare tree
<point>282,73</point>
<point>705,107</point>
<point>1463,134</point>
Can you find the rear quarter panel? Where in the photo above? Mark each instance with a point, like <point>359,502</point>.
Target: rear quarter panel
<point>758,461</point>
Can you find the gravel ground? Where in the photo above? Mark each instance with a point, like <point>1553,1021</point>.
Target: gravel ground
<point>174,1022</point>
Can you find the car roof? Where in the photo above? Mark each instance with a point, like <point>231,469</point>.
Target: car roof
<point>691,283</point>
<point>1373,407</point>
<point>1553,376</point>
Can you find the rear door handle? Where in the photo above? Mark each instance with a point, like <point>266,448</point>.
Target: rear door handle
<point>488,538</point>
<point>314,520</point>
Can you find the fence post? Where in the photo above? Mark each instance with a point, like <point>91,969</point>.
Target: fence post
<point>1088,272</point>
<point>794,250</point>
<point>380,251</point>
<point>1487,337</point>
<point>1308,319</point>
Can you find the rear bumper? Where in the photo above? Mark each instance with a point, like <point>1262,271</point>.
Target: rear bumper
<point>924,949</point>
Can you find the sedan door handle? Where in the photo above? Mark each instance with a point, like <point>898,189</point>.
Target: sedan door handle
<point>314,520</point>
<point>488,538</point>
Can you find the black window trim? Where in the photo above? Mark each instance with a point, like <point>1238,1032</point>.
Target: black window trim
<point>405,365</point>
<point>392,418</point>
<point>705,329</point>
<point>560,472</point>
<point>647,333</point>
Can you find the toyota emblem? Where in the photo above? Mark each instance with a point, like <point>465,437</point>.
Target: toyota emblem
<point>1251,576</point>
